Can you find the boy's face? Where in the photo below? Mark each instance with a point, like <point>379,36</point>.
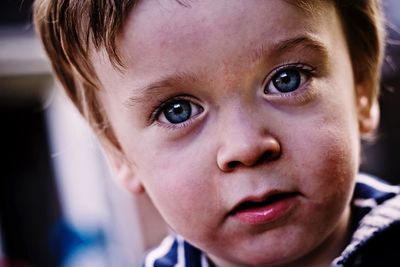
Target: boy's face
<point>239,119</point>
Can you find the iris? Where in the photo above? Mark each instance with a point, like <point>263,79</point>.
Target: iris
<point>178,111</point>
<point>286,81</point>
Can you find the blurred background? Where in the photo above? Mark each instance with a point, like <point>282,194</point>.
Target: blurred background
<point>59,205</point>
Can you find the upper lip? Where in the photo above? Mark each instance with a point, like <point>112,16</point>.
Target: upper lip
<point>261,199</point>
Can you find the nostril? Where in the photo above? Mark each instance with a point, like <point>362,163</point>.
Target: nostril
<point>264,158</point>
<point>233,164</point>
<point>268,156</point>
<point>261,151</point>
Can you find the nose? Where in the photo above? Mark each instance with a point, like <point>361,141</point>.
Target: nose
<point>246,146</point>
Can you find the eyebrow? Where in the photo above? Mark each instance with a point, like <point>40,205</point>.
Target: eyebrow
<point>261,53</point>
<point>158,87</point>
<point>277,49</point>
<point>304,42</point>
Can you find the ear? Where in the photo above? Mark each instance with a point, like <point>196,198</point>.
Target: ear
<point>124,171</point>
<point>368,112</point>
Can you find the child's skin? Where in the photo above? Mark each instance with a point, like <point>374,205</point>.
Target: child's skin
<point>243,139</point>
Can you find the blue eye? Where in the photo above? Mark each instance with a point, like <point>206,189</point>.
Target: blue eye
<point>178,111</point>
<point>285,81</point>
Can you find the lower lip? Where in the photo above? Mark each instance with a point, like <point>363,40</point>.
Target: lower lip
<point>268,213</point>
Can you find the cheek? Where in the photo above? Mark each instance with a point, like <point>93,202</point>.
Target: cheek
<point>327,160</point>
<point>332,158</point>
<point>324,165</point>
<point>326,147</point>
<point>180,186</point>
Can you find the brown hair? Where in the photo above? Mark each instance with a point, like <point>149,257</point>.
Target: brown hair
<point>71,29</point>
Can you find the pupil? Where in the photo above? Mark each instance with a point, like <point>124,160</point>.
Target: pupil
<point>178,112</point>
<point>287,80</point>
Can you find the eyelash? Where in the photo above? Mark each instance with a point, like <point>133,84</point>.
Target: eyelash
<point>305,69</point>
<point>294,66</point>
<point>161,104</point>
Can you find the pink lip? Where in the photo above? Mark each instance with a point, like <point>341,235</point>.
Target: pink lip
<point>266,210</point>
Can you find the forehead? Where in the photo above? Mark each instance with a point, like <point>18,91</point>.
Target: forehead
<point>170,27</point>
<point>164,37</point>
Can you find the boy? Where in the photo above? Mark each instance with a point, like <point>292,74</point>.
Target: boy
<point>240,119</point>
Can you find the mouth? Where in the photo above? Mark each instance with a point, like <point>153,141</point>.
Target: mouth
<point>265,209</point>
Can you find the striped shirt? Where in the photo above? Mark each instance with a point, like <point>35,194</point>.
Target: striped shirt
<point>375,226</point>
